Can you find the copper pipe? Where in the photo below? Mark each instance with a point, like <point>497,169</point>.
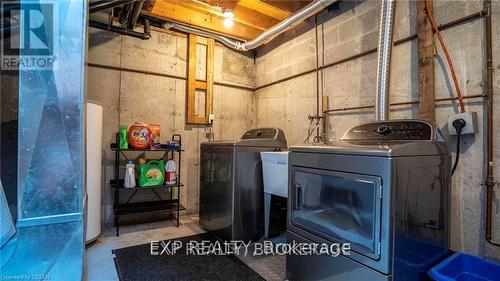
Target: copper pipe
<point>434,25</point>
<point>452,23</point>
<point>317,80</point>
<point>325,103</point>
<point>401,103</point>
<point>374,50</point>
<point>490,180</point>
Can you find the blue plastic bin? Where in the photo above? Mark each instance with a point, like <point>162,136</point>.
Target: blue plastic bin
<point>464,267</point>
<point>413,258</point>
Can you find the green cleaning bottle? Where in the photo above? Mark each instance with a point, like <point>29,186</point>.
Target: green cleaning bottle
<point>123,137</point>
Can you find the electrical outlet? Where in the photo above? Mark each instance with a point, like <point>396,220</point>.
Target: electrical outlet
<point>211,118</point>
<point>470,119</point>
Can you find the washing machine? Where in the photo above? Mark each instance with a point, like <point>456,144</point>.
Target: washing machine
<point>384,190</point>
<point>231,185</point>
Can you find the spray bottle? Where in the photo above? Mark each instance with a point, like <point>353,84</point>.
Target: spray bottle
<point>129,181</point>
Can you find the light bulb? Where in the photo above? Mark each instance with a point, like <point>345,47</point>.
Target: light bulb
<point>228,14</point>
<point>228,18</point>
<point>228,22</point>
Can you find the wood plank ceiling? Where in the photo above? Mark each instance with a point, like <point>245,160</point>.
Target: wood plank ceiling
<point>251,17</point>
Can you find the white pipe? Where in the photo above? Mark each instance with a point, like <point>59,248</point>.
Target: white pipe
<point>384,59</point>
<point>266,36</point>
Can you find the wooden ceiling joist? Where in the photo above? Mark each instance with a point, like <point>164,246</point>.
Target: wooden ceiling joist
<point>250,17</point>
<point>227,4</point>
<point>242,15</point>
<point>178,12</point>
<point>264,8</point>
<point>291,6</point>
<point>254,18</point>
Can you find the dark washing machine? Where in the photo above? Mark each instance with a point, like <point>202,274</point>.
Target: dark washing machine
<point>231,185</point>
<point>384,188</point>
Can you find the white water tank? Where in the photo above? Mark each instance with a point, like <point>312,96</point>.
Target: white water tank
<point>93,170</point>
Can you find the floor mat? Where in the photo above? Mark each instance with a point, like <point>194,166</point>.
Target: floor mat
<point>136,263</point>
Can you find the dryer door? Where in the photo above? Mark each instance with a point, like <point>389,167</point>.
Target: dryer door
<point>339,207</point>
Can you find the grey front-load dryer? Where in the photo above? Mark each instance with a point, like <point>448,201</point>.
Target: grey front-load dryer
<point>231,188</point>
<point>384,188</point>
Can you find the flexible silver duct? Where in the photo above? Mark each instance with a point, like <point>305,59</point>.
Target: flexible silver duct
<point>264,37</point>
<point>384,59</point>
<point>231,43</point>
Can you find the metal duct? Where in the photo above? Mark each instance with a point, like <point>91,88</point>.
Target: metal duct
<point>231,43</point>
<point>384,59</point>
<point>49,239</point>
<point>266,36</point>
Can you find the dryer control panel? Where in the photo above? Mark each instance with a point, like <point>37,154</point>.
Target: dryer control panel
<point>392,130</point>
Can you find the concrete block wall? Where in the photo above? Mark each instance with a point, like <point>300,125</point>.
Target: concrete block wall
<point>128,97</point>
<point>352,28</point>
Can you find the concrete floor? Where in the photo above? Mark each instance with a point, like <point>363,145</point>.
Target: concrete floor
<point>99,264</point>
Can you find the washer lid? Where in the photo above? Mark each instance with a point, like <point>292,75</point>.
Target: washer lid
<point>273,137</point>
<point>267,137</point>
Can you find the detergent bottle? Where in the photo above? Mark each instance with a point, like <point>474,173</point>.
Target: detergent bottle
<point>139,136</point>
<point>151,173</point>
<point>170,172</point>
<point>123,137</point>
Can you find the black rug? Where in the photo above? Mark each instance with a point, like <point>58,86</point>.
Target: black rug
<point>137,264</point>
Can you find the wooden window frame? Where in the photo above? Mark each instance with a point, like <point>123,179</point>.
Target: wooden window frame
<point>193,84</point>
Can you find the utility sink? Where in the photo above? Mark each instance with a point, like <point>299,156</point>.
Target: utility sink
<point>275,173</point>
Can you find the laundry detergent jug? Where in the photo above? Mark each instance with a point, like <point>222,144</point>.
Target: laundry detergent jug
<point>151,173</point>
<point>170,172</point>
<point>139,136</point>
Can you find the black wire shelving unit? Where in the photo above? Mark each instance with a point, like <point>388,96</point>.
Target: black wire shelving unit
<point>171,205</point>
